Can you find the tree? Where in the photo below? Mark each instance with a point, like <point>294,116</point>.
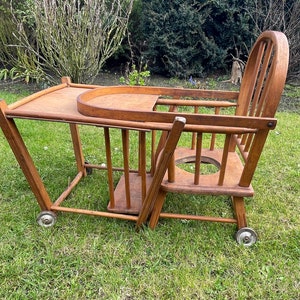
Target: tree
<point>6,36</point>
<point>188,37</point>
<point>231,29</point>
<point>72,38</point>
<point>173,38</point>
<point>281,15</point>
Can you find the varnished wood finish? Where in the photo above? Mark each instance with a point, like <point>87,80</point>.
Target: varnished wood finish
<point>163,162</point>
<point>236,140</point>
<point>93,103</point>
<point>259,96</point>
<point>24,159</point>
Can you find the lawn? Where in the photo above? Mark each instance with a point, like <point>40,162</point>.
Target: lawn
<point>84,257</point>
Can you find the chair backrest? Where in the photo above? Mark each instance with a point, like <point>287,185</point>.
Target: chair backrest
<point>258,99</point>
<point>264,76</point>
<point>263,83</point>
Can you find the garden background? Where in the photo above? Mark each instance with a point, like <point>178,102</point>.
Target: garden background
<point>85,257</point>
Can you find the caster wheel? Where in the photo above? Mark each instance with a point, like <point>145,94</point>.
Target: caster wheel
<point>246,236</point>
<point>89,171</point>
<point>46,218</point>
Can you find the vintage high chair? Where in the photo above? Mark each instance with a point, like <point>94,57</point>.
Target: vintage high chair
<point>139,109</point>
<point>238,156</point>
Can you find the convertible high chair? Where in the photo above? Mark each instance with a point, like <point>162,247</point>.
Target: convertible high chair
<point>234,154</point>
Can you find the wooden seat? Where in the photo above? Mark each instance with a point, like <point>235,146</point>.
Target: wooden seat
<point>237,130</point>
<point>233,155</point>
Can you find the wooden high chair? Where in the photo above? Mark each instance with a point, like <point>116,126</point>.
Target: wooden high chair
<point>235,154</point>
<point>237,140</point>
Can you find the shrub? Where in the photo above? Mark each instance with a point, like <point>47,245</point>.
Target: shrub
<point>282,16</point>
<point>73,38</point>
<point>135,77</point>
<point>184,37</point>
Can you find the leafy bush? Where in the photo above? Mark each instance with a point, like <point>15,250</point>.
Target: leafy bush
<point>6,36</point>
<point>71,38</point>
<point>183,38</point>
<point>178,38</point>
<point>173,36</point>
<point>135,77</point>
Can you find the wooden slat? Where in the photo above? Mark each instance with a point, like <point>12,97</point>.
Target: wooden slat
<point>196,111</point>
<point>196,103</point>
<point>68,190</point>
<point>198,158</point>
<point>262,84</point>
<point>142,163</point>
<point>197,218</point>
<point>94,213</point>
<point>77,148</point>
<point>213,135</point>
<point>224,159</point>
<point>109,166</point>
<point>249,81</point>
<point>125,144</point>
<point>259,80</point>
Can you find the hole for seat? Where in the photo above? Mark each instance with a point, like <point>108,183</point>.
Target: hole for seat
<point>208,165</point>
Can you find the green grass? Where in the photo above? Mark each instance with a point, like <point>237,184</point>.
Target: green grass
<point>85,257</point>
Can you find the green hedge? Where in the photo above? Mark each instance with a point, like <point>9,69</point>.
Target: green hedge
<point>186,37</point>
<point>183,37</point>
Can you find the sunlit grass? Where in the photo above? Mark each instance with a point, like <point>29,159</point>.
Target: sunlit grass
<point>85,257</point>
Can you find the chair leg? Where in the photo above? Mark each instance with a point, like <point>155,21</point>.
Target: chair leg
<point>157,209</point>
<point>240,212</point>
<point>77,149</point>
<point>24,159</point>
<point>163,163</point>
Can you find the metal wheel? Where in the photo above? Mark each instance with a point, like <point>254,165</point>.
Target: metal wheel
<point>89,171</point>
<point>46,218</point>
<point>246,236</point>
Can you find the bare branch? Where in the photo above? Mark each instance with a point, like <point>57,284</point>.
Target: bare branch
<point>282,16</point>
<point>75,38</point>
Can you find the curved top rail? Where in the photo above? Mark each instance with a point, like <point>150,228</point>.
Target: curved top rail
<point>94,103</point>
<point>265,75</point>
